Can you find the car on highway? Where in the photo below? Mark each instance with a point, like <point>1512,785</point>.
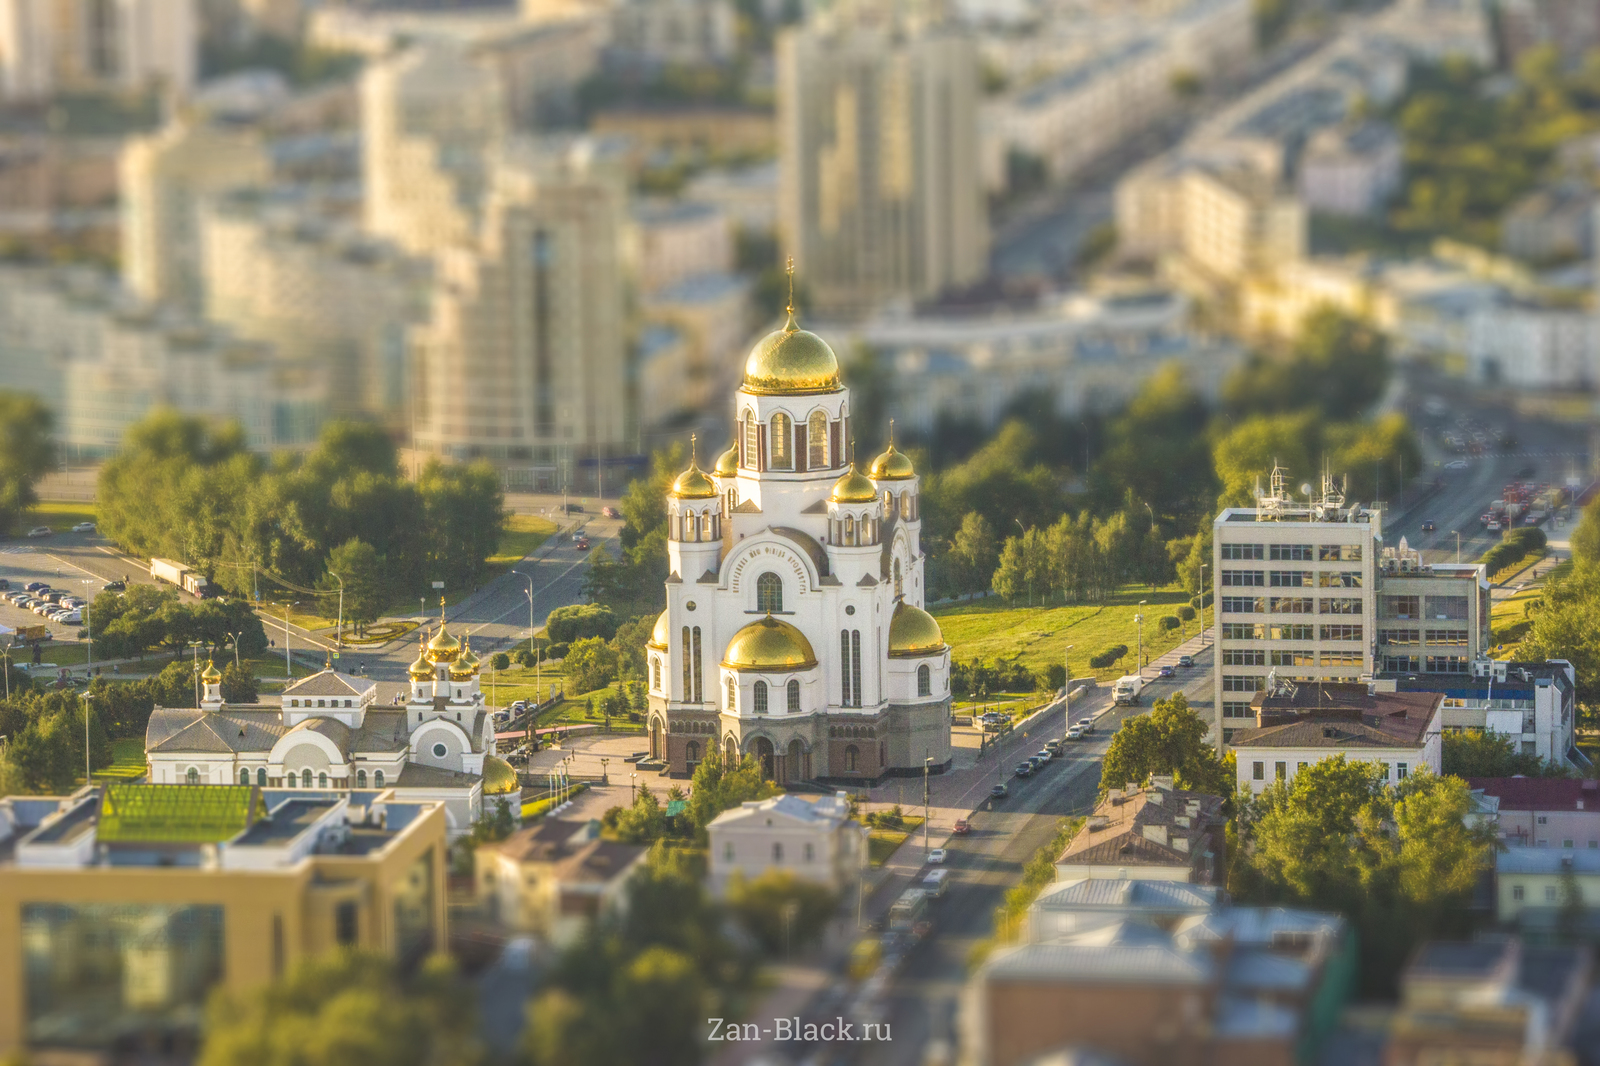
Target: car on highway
<point>83,527</point>
<point>116,586</point>
<point>1457,464</point>
<point>961,828</point>
<point>575,508</point>
<point>611,512</point>
<point>1023,769</point>
<point>582,544</point>
<point>1428,527</point>
<point>1039,762</point>
<point>936,856</point>
<point>1075,733</point>
<point>999,791</point>
<point>1053,747</point>
<point>1186,660</point>
<point>1166,671</point>
<point>40,531</point>
<point>1087,725</point>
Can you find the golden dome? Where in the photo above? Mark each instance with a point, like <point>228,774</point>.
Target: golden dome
<point>499,779</point>
<point>465,665</point>
<point>892,465</point>
<point>769,645</point>
<point>853,487</point>
<point>791,360</point>
<point>443,648</point>
<point>211,675</point>
<point>913,633</point>
<point>728,463</point>
<point>660,634</point>
<point>693,484</point>
<point>421,669</point>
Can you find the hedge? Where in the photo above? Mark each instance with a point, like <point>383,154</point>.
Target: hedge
<point>1168,621</point>
<point>580,620</point>
<point>1186,612</point>
<point>539,808</point>
<point>1108,657</point>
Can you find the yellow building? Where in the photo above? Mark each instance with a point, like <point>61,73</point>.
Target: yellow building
<point>123,906</point>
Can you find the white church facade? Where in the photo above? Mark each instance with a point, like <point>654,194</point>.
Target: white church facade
<point>794,628</point>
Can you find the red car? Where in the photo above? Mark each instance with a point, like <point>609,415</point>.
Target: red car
<point>582,544</point>
<point>961,828</point>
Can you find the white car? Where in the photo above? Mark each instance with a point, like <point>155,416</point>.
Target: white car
<point>83,527</point>
<point>39,531</point>
<point>1456,464</point>
<point>1075,733</point>
<point>936,856</point>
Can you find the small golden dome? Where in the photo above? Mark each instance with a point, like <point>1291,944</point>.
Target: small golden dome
<point>728,463</point>
<point>499,779</point>
<point>421,669</point>
<point>660,634</point>
<point>913,633</point>
<point>465,665</point>
<point>769,645</point>
<point>443,648</point>
<point>853,487</point>
<point>211,675</point>
<point>892,465</point>
<point>693,484</point>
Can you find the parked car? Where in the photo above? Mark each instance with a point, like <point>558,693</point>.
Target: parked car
<point>69,618</point>
<point>519,706</point>
<point>961,828</point>
<point>83,527</point>
<point>1000,791</point>
<point>40,531</point>
<point>1087,725</point>
<point>35,586</point>
<point>1023,769</point>
<point>1053,747</point>
<point>1186,660</point>
<point>936,856</point>
<point>1044,754</point>
<point>1457,464</point>
<point>1166,671</point>
<point>1428,527</point>
<point>1075,733</point>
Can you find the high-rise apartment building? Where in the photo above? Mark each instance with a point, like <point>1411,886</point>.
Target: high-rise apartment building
<point>1295,592</point>
<point>50,46</point>
<point>522,362</point>
<point>166,177</point>
<point>430,117</point>
<point>880,196</point>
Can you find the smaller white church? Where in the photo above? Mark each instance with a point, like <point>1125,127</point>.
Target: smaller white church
<point>327,734</point>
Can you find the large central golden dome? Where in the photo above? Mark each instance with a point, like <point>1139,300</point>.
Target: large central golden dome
<point>769,645</point>
<point>791,360</point>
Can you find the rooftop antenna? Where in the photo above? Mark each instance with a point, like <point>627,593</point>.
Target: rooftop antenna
<point>1271,505</point>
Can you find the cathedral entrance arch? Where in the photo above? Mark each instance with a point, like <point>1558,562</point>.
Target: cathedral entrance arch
<point>655,738</point>
<point>795,768</point>
<point>762,750</point>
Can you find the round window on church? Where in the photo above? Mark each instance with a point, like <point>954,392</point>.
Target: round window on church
<point>690,605</point>
<point>850,609</point>
<point>440,751</point>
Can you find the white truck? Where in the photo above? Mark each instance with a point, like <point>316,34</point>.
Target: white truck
<point>1127,689</point>
<point>177,574</point>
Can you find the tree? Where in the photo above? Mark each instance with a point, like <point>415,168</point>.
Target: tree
<point>591,664</point>
<point>642,823</point>
<point>760,903</point>
<point>366,586</point>
<point>1151,449</point>
<point>500,661</point>
<point>1168,740</point>
<point>1480,753</point>
<point>45,751</point>
<point>349,1006</point>
<point>1338,365</point>
<point>719,787</point>
<point>238,685</point>
<point>26,453</point>
<point>578,621</point>
<point>973,556</point>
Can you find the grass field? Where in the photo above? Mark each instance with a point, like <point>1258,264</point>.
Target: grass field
<point>127,761</point>
<point>521,534</point>
<point>518,683</point>
<point>1037,636</point>
<point>1509,621</point>
<point>882,842</point>
<point>61,516</point>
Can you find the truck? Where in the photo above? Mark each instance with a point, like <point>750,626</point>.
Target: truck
<point>31,634</point>
<point>188,580</point>
<point>1127,689</point>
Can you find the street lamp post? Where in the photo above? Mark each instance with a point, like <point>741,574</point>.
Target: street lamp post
<point>633,781</point>
<point>1203,568</point>
<point>605,776</point>
<point>234,637</point>
<point>5,653</point>
<point>1066,692</point>
<point>927,810</point>
<point>288,666</point>
<point>338,631</point>
<point>1138,659</point>
<point>87,696</point>
<point>1457,533</point>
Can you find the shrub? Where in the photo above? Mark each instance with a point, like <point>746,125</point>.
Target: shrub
<point>1054,676</point>
<point>591,664</point>
<point>1198,602</point>
<point>555,651</point>
<point>500,661</point>
<point>525,658</point>
<point>580,621</point>
<point>1108,657</point>
<point>1186,612</point>
<point>1168,621</point>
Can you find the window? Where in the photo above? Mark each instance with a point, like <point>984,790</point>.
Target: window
<point>817,441</point>
<point>655,672</point>
<point>1291,632</point>
<point>345,922</point>
<point>1258,771</point>
<point>1566,843</point>
<point>1399,636</point>
<point>1400,771</point>
<point>1454,637</point>
<point>244,777</point>
<point>761,697</point>
<point>793,699</point>
<point>1550,893</point>
<point>261,777</point>
<point>727,852</point>
<point>1400,664</point>
<point>1289,579</point>
<point>1244,657</point>
<point>777,851</point>
<point>193,776</point>
<point>1446,608</point>
<point>1518,893</point>
<point>1448,664</point>
<point>440,751</point>
<point>1290,605</point>
<point>849,530</point>
<point>1231,683</point>
<point>733,695</point>
<point>855,664</point>
<point>1243,578</point>
<point>696,677</point>
<point>1339,553</point>
<point>688,664</point>
<point>1297,657</point>
<point>924,680</point>
<point>811,853</point>
<point>1241,605</point>
<point>377,779</point>
<point>752,440</point>
<point>691,753</point>
<point>291,779</point>
<point>1242,551</point>
<point>1339,579</point>
<point>1341,632</point>
<point>1544,819</point>
<point>1341,658</point>
<point>1280,770</point>
<point>1243,631</point>
<point>769,593</point>
<point>1236,709</point>
<point>361,779</point>
<point>1401,607</point>
<point>782,443</point>
<point>1295,552</point>
<point>1340,605</point>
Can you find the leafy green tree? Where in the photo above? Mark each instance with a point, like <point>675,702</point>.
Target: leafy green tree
<point>1168,740</point>
<point>500,661</point>
<point>45,752</point>
<point>591,664</point>
<point>26,453</point>
<point>1151,449</point>
<point>719,787</point>
<point>1004,482</point>
<point>1480,753</point>
<point>760,903</point>
<point>642,823</point>
<point>463,509</point>
<point>350,1006</point>
<point>1586,537</point>
<point>579,621</point>
<point>366,583</point>
<point>973,556</point>
<point>238,685</point>
<point>1566,625</point>
<point>1338,366</point>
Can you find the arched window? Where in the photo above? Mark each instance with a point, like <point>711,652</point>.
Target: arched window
<point>924,680</point>
<point>244,777</point>
<point>782,442</point>
<point>377,779</point>
<point>899,580</point>
<point>905,506</point>
<point>794,697</point>
<point>655,667</point>
<point>817,441</point>
<point>852,759</point>
<point>305,778</point>
<point>769,593</point>
<point>322,780</point>
<point>752,440</point>
<point>692,751</point>
<point>733,696</point>
<point>261,777</point>
<point>193,776</point>
<point>849,530</point>
<point>761,697</point>
<point>688,665</point>
<point>361,779</point>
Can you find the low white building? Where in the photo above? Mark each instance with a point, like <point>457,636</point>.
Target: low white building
<point>1529,346</point>
<point>1299,725</point>
<point>814,840</point>
<point>1351,171</point>
<point>673,241</point>
<point>554,878</point>
<point>1533,705</point>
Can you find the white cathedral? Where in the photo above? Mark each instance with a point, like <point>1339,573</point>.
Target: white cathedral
<point>794,628</point>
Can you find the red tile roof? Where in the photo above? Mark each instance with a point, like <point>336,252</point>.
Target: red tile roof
<point>1540,793</point>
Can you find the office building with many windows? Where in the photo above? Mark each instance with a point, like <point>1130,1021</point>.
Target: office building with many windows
<point>1294,585</point>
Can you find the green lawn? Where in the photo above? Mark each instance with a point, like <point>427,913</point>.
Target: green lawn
<point>62,516</point>
<point>990,629</point>
<point>882,843</point>
<point>521,534</point>
<point>518,683</point>
<point>127,760</point>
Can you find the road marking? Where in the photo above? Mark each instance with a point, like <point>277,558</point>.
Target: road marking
<point>25,550</point>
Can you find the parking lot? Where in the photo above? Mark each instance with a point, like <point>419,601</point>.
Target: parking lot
<point>29,560</point>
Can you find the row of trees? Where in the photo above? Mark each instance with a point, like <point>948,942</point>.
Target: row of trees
<point>150,617</point>
<point>26,452</point>
<point>1083,559</point>
<point>184,489</point>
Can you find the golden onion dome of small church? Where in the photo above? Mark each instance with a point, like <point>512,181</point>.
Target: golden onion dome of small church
<point>443,648</point>
<point>211,675</point>
<point>662,631</point>
<point>421,669</point>
<point>466,664</point>
<point>769,645</point>
<point>892,465</point>
<point>499,778</point>
<point>693,484</point>
<point>791,360</point>
<point>853,487</point>
<point>727,463</point>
